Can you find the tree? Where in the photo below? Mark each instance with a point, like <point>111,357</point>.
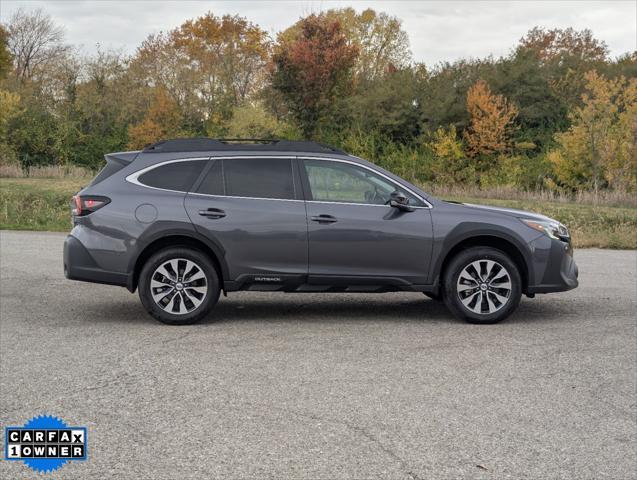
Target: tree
<point>382,44</point>
<point>162,120</point>
<point>6,60</point>
<point>561,44</point>
<point>599,149</point>
<point>9,109</point>
<point>450,164</point>
<point>230,50</point>
<point>34,41</point>
<point>389,105</point>
<point>208,65</point>
<point>442,98</point>
<point>565,55</point>
<point>523,80</point>
<point>103,106</point>
<point>491,120</point>
<point>313,69</point>
<point>253,121</point>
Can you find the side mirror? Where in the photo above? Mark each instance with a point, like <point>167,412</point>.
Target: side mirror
<point>400,201</point>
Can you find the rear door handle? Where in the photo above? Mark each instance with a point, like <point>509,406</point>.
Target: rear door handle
<point>324,219</point>
<point>212,213</point>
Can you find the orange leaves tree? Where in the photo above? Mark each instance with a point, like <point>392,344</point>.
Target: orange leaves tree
<point>492,118</point>
<point>312,69</point>
<point>162,120</point>
<point>207,66</point>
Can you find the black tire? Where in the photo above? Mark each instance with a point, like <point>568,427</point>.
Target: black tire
<point>483,300</point>
<point>197,312</point>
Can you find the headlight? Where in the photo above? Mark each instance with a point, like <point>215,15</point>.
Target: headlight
<point>552,229</point>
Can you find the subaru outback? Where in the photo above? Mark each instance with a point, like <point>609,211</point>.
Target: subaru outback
<point>186,219</point>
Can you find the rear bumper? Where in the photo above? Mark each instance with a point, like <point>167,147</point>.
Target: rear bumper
<point>79,265</point>
<point>558,269</point>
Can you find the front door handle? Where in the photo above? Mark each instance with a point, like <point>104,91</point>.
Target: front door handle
<point>324,219</point>
<point>212,213</point>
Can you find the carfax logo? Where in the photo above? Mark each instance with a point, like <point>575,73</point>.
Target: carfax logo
<point>45,443</point>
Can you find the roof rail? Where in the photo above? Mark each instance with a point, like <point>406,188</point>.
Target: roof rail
<point>203,144</point>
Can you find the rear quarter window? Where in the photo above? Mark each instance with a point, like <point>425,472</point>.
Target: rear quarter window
<point>178,176</point>
<point>111,168</point>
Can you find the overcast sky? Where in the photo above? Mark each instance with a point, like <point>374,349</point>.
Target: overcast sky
<point>438,31</point>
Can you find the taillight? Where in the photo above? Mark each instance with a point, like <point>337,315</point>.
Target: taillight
<point>83,205</point>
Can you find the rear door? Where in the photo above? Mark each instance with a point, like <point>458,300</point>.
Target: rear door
<point>354,236</point>
<point>252,207</point>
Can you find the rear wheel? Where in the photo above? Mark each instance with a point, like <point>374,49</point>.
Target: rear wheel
<point>482,285</point>
<point>178,286</point>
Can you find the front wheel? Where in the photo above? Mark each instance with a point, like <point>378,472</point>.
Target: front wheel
<point>482,285</point>
<point>178,286</point>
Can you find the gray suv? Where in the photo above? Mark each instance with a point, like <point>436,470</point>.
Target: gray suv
<point>185,219</point>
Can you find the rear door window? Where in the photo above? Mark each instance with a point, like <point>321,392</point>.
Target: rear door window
<point>251,177</point>
<point>178,176</point>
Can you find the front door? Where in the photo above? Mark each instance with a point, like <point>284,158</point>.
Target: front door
<point>355,236</point>
<point>253,209</point>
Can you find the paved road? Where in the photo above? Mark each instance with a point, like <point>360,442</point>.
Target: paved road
<point>323,386</point>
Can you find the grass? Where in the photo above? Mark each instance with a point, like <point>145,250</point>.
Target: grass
<point>43,204</point>
<point>37,203</point>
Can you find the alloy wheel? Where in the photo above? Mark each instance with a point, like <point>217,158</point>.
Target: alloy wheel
<point>484,286</point>
<point>178,286</point>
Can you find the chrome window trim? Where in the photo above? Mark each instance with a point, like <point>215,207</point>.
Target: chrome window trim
<point>246,198</point>
<point>391,180</point>
<point>134,179</point>
<point>363,204</point>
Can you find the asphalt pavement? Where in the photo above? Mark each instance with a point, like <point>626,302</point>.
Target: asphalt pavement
<point>386,386</point>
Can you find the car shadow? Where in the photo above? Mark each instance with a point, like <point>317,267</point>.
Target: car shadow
<point>330,310</point>
<point>327,310</point>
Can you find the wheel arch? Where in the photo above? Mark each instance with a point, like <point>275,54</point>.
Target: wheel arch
<point>179,239</point>
<point>504,244</point>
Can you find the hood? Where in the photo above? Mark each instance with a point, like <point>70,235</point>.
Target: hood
<point>510,212</point>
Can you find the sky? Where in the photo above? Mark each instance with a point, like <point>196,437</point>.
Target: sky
<point>438,30</point>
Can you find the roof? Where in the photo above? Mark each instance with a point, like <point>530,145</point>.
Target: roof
<point>237,144</point>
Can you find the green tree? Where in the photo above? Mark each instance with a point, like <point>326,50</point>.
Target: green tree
<point>389,105</point>
<point>450,165</point>
<point>6,59</point>
<point>253,121</point>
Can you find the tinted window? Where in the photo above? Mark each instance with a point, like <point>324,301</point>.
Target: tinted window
<point>259,177</point>
<point>173,176</point>
<point>213,182</point>
<point>343,182</point>
<point>109,169</point>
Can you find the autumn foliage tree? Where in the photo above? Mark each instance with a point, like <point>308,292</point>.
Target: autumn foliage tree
<point>492,118</point>
<point>600,148</point>
<point>382,43</point>
<point>162,120</point>
<point>311,70</point>
<point>208,65</point>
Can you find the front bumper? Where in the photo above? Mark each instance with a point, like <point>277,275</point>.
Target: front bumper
<point>554,267</point>
<point>79,265</point>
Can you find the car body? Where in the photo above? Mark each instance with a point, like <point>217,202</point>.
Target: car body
<point>299,217</point>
